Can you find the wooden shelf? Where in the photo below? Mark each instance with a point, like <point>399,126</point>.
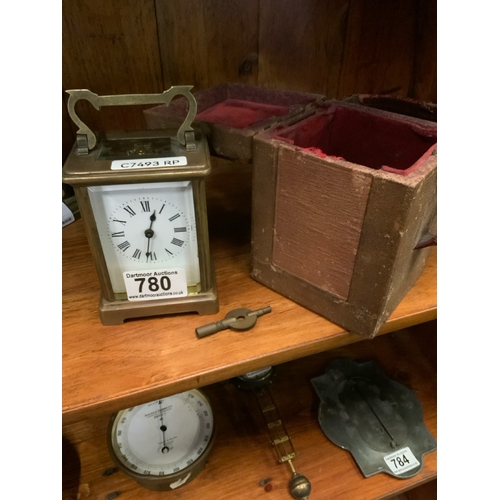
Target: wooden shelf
<point>242,455</point>
<point>107,368</point>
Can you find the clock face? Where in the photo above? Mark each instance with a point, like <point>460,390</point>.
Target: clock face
<point>163,437</point>
<point>148,236</point>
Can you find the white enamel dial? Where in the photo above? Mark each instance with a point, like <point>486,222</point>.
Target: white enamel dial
<point>145,228</point>
<point>163,437</point>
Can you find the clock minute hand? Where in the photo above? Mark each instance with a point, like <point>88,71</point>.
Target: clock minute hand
<point>149,234</point>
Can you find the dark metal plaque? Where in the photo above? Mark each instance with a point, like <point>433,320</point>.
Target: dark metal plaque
<point>378,420</point>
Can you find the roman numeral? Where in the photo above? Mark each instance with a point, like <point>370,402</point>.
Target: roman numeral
<point>124,246</point>
<point>161,209</point>
<point>137,254</point>
<point>145,206</point>
<point>168,251</point>
<point>120,234</point>
<point>176,216</point>
<point>129,210</point>
<point>179,229</point>
<point>177,242</point>
<point>122,222</point>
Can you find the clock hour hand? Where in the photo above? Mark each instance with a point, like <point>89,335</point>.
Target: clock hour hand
<point>149,234</point>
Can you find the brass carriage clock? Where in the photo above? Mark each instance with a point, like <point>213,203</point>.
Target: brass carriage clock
<point>142,200</point>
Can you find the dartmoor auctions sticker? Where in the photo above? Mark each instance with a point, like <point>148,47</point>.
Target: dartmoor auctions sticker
<point>155,285</point>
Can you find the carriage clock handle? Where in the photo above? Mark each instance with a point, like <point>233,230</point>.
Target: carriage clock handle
<point>86,139</point>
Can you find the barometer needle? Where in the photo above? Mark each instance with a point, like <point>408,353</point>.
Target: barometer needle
<point>163,429</point>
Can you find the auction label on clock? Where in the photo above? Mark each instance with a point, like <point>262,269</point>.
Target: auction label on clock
<point>155,285</point>
<point>402,460</point>
<point>127,164</point>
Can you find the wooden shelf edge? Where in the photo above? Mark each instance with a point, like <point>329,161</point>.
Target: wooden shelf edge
<point>305,333</point>
<point>406,488</point>
<point>278,356</point>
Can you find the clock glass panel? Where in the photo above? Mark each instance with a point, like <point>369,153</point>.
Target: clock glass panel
<point>148,236</point>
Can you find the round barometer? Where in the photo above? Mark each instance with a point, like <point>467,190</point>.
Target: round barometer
<point>163,444</point>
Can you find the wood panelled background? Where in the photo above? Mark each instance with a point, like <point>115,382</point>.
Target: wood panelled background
<point>331,47</point>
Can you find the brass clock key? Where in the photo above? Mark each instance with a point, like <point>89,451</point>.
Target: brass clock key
<point>237,319</point>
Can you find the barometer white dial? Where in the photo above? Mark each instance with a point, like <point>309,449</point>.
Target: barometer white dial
<point>164,442</point>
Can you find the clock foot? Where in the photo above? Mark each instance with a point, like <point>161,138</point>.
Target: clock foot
<point>115,313</point>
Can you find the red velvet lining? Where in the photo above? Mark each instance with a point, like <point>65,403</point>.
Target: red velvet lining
<point>378,142</point>
<point>237,113</point>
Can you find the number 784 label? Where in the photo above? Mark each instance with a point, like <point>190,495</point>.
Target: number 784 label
<point>402,460</point>
<point>155,285</point>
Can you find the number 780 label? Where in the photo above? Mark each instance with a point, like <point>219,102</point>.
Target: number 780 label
<point>155,285</point>
<point>402,460</point>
